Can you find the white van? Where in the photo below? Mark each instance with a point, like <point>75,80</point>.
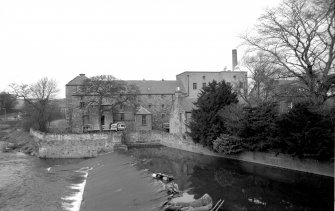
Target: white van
<point>119,126</point>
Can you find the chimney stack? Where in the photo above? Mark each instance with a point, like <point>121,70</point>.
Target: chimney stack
<point>234,56</point>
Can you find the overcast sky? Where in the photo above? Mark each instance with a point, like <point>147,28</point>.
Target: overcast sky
<point>129,39</point>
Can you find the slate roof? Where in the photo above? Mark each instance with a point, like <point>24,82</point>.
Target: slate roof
<point>145,86</point>
<point>288,82</point>
<point>79,80</point>
<point>142,110</point>
<point>156,87</point>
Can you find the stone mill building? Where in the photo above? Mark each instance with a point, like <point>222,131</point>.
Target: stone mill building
<point>163,104</point>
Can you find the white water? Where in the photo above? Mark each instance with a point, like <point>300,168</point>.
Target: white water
<point>77,197</point>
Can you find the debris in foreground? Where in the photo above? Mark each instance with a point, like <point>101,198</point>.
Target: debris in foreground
<point>205,203</point>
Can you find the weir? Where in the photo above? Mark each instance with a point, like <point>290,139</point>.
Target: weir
<point>91,144</point>
<point>76,145</point>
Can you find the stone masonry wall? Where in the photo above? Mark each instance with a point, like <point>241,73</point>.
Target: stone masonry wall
<point>160,107</point>
<point>74,145</point>
<point>177,116</point>
<point>74,114</point>
<point>158,104</point>
<point>184,142</point>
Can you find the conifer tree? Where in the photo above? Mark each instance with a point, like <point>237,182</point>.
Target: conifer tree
<point>206,124</point>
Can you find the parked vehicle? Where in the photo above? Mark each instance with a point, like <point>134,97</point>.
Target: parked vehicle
<point>119,126</point>
<point>166,126</point>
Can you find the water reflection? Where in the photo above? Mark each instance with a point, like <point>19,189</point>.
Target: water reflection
<point>243,186</point>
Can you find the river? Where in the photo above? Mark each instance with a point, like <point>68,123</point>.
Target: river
<point>122,181</point>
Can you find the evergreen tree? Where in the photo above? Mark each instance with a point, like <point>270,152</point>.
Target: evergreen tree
<point>206,124</point>
<point>306,133</point>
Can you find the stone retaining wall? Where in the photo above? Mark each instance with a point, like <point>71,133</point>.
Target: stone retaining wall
<point>74,145</point>
<point>184,142</point>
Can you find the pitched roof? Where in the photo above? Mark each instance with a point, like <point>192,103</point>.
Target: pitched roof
<point>145,87</point>
<point>142,110</point>
<point>156,87</point>
<point>282,82</point>
<point>79,80</point>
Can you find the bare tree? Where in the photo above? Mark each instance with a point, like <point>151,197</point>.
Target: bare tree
<point>300,35</point>
<point>264,72</point>
<point>7,101</point>
<point>108,94</point>
<point>38,96</point>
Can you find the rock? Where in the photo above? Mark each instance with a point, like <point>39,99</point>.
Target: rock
<point>172,188</point>
<point>205,203</point>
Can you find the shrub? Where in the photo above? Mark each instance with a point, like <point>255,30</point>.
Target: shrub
<point>258,130</point>
<point>228,144</point>
<point>306,132</point>
<point>233,117</point>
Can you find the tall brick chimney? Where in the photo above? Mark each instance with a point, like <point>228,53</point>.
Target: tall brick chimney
<point>234,57</point>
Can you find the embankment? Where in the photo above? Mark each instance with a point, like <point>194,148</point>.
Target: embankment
<point>74,145</point>
<point>184,142</point>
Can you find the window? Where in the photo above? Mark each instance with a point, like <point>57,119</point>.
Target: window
<point>194,85</point>
<point>149,106</point>
<point>82,104</point>
<point>122,116</point>
<point>102,120</point>
<point>241,85</point>
<point>144,120</point>
<point>203,85</point>
<point>163,115</point>
<point>188,116</point>
<point>163,105</point>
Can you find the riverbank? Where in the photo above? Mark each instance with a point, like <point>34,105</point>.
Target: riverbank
<point>14,139</point>
<point>89,145</point>
<point>185,143</point>
<point>242,185</point>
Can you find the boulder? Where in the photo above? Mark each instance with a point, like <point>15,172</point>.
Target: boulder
<point>205,203</point>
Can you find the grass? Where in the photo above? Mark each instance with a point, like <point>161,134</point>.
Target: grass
<point>58,126</point>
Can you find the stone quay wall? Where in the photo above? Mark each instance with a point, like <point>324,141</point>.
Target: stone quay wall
<point>184,142</point>
<point>74,145</point>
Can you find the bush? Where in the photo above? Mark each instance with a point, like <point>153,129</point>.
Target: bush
<point>228,144</point>
<point>233,117</point>
<point>306,132</point>
<point>258,130</point>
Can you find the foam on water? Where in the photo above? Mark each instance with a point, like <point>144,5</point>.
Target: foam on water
<point>77,197</point>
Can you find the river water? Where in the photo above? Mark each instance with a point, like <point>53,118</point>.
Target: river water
<point>122,181</point>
